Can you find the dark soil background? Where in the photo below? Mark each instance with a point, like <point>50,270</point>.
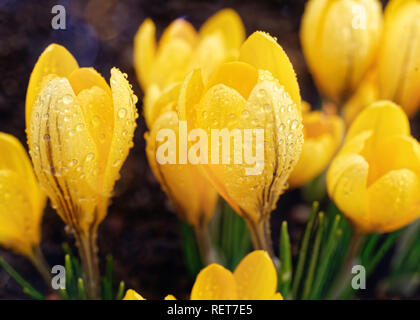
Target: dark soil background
<point>140,231</point>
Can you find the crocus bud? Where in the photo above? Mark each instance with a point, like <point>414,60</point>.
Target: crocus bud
<point>399,55</point>
<point>21,200</point>
<point>255,100</point>
<point>322,137</point>
<point>80,131</point>
<point>375,178</point>
<point>340,40</point>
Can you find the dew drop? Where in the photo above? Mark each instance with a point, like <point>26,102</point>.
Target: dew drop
<point>67,99</point>
<point>122,113</point>
<point>90,157</point>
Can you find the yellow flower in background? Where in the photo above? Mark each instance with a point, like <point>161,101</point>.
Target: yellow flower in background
<point>21,200</point>
<point>322,137</point>
<point>340,40</point>
<point>133,295</point>
<point>259,91</point>
<point>182,49</point>
<point>255,278</point>
<point>366,94</point>
<point>399,55</point>
<point>80,131</point>
<point>375,178</point>
<point>192,196</point>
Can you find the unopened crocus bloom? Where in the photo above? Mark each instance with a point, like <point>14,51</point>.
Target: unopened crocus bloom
<point>255,278</point>
<point>182,49</point>
<point>399,55</point>
<point>322,137</point>
<point>257,94</point>
<point>80,131</point>
<point>365,95</point>
<point>375,178</point>
<point>340,40</point>
<point>21,203</point>
<point>192,196</point>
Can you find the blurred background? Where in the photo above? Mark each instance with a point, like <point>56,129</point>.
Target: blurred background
<point>140,231</point>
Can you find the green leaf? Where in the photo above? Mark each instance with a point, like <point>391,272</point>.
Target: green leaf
<point>314,256</point>
<point>120,292</point>
<point>81,292</point>
<point>285,268</point>
<point>26,286</point>
<point>325,258</point>
<point>303,250</point>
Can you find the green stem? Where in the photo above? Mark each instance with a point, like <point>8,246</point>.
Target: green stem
<point>38,260</point>
<point>205,245</point>
<point>86,244</point>
<point>343,279</point>
<point>261,236</point>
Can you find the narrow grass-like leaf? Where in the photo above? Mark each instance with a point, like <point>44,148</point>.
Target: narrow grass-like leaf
<point>81,292</point>
<point>26,286</point>
<point>303,250</point>
<point>70,279</point>
<point>314,257</point>
<point>325,258</point>
<point>285,269</point>
<point>120,291</point>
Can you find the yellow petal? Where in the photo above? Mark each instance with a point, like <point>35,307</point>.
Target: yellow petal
<point>15,158</point>
<point>323,135</point>
<point>209,53</point>
<point>399,57</point>
<point>125,115</point>
<point>64,154</point>
<point>191,194</point>
<point>132,295</point>
<point>144,52</point>
<point>263,52</point>
<point>237,75</point>
<point>181,29</point>
<point>189,96</point>
<point>253,189</point>
<point>256,277</point>
<point>229,23</point>
<point>340,41</point>
<point>20,220</point>
<point>171,63</point>
<point>277,296</point>
<point>347,185</point>
<point>384,117</point>
<point>98,114</point>
<point>164,102</point>
<point>393,201</point>
<point>55,59</point>
<point>214,283</point>
<point>170,297</point>
<point>86,78</point>
<point>365,94</point>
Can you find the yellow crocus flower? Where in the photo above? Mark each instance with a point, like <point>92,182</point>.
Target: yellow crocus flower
<point>192,196</point>
<point>259,91</point>
<point>365,94</point>
<point>340,39</point>
<point>399,55</point>
<point>255,278</point>
<point>375,178</point>
<point>80,131</point>
<point>22,203</point>
<point>182,49</point>
<point>322,134</point>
